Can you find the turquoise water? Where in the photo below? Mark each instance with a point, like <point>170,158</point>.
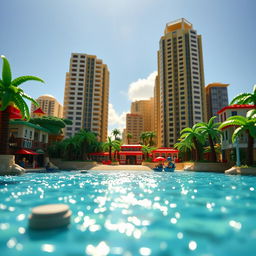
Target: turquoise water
<point>132,213</point>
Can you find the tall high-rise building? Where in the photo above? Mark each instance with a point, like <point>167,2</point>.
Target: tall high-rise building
<point>181,80</point>
<point>49,105</point>
<point>157,112</point>
<point>134,126</point>
<point>144,108</point>
<point>86,95</point>
<point>216,98</point>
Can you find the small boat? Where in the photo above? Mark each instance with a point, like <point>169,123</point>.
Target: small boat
<point>158,169</point>
<point>167,169</point>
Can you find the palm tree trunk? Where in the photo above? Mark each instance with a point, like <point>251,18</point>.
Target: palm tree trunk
<point>196,149</point>
<point>213,152</point>
<point>4,132</point>
<point>250,150</point>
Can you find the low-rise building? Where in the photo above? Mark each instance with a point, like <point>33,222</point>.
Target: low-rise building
<point>28,142</point>
<point>227,147</point>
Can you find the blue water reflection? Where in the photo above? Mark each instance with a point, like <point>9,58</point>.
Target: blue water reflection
<point>132,213</point>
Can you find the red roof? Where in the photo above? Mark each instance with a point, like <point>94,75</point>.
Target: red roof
<point>130,153</point>
<point>25,152</point>
<point>236,106</point>
<point>39,111</point>
<point>166,150</point>
<point>14,113</point>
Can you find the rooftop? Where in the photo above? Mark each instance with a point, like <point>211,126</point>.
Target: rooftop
<point>236,106</point>
<point>177,24</point>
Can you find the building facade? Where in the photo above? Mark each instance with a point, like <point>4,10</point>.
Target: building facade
<point>86,95</point>
<point>227,147</point>
<point>181,80</point>
<point>134,126</point>
<point>157,112</point>
<point>216,98</point>
<point>49,105</point>
<point>144,108</point>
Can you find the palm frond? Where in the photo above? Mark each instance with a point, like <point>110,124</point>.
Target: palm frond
<point>26,96</point>
<point>239,98</point>
<point>6,71</point>
<point>236,133</point>
<point>22,79</point>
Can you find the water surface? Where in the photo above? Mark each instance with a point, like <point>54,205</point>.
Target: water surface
<point>132,213</point>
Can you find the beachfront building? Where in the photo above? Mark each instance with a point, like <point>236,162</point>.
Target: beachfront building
<point>216,99</point>
<point>131,154</point>
<point>145,108</point>
<point>28,141</point>
<point>86,95</point>
<point>227,147</point>
<point>181,80</point>
<point>48,105</point>
<point>134,126</point>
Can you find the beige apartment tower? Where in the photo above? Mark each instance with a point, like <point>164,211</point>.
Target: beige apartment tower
<point>49,105</point>
<point>86,95</point>
<point>134,126</point>
<point>146,109</point>
<point>181,80</point>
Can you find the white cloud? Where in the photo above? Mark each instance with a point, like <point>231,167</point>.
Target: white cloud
<point>116,120</point>
<point>142,88</point>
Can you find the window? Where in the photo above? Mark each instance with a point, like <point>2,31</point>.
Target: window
<point>233,113</point>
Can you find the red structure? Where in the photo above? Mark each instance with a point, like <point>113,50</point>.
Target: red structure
<point>130,154</point>
<point>39,112</point>
<point>165,152</point>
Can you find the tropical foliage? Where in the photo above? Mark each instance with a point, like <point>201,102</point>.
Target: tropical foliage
<point>184,146</point>
<point>245,98</point>
<point>77,147</point>
<point>211,133</point>
<point>112,144</point>
<point>146,149</point>
<point>128,136</point>
<point>192,136</point>
<point>116,132</point>
<point>12,94</point>
<point>147,138</point>
<point>53,124</point>
<point>244,125</point>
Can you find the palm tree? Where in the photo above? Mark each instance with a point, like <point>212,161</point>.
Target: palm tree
<point>146,149</point>
<point>85,139</point>
<point>212,133</point>
<point>116,132</point>
<point>109,145</point>
<point>11,94</point>
<point>245,124</point>
<point>245,98</point>
<point>128,136</point>
<point>151,136</point>
<point>193,136</point>
<point>184,146</point>
<point>143,137</point>
<point>117,148</point>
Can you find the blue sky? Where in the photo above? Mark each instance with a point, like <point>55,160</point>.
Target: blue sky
<point>38,36</point>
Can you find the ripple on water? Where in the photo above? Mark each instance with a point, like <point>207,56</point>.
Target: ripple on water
<point>132,213</point>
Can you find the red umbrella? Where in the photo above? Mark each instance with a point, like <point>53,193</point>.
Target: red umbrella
<point>159,158</point>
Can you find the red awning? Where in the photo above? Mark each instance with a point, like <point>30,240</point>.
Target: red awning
<point>165,150</point>
<point>130,153</point>
<point>25,152</point>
